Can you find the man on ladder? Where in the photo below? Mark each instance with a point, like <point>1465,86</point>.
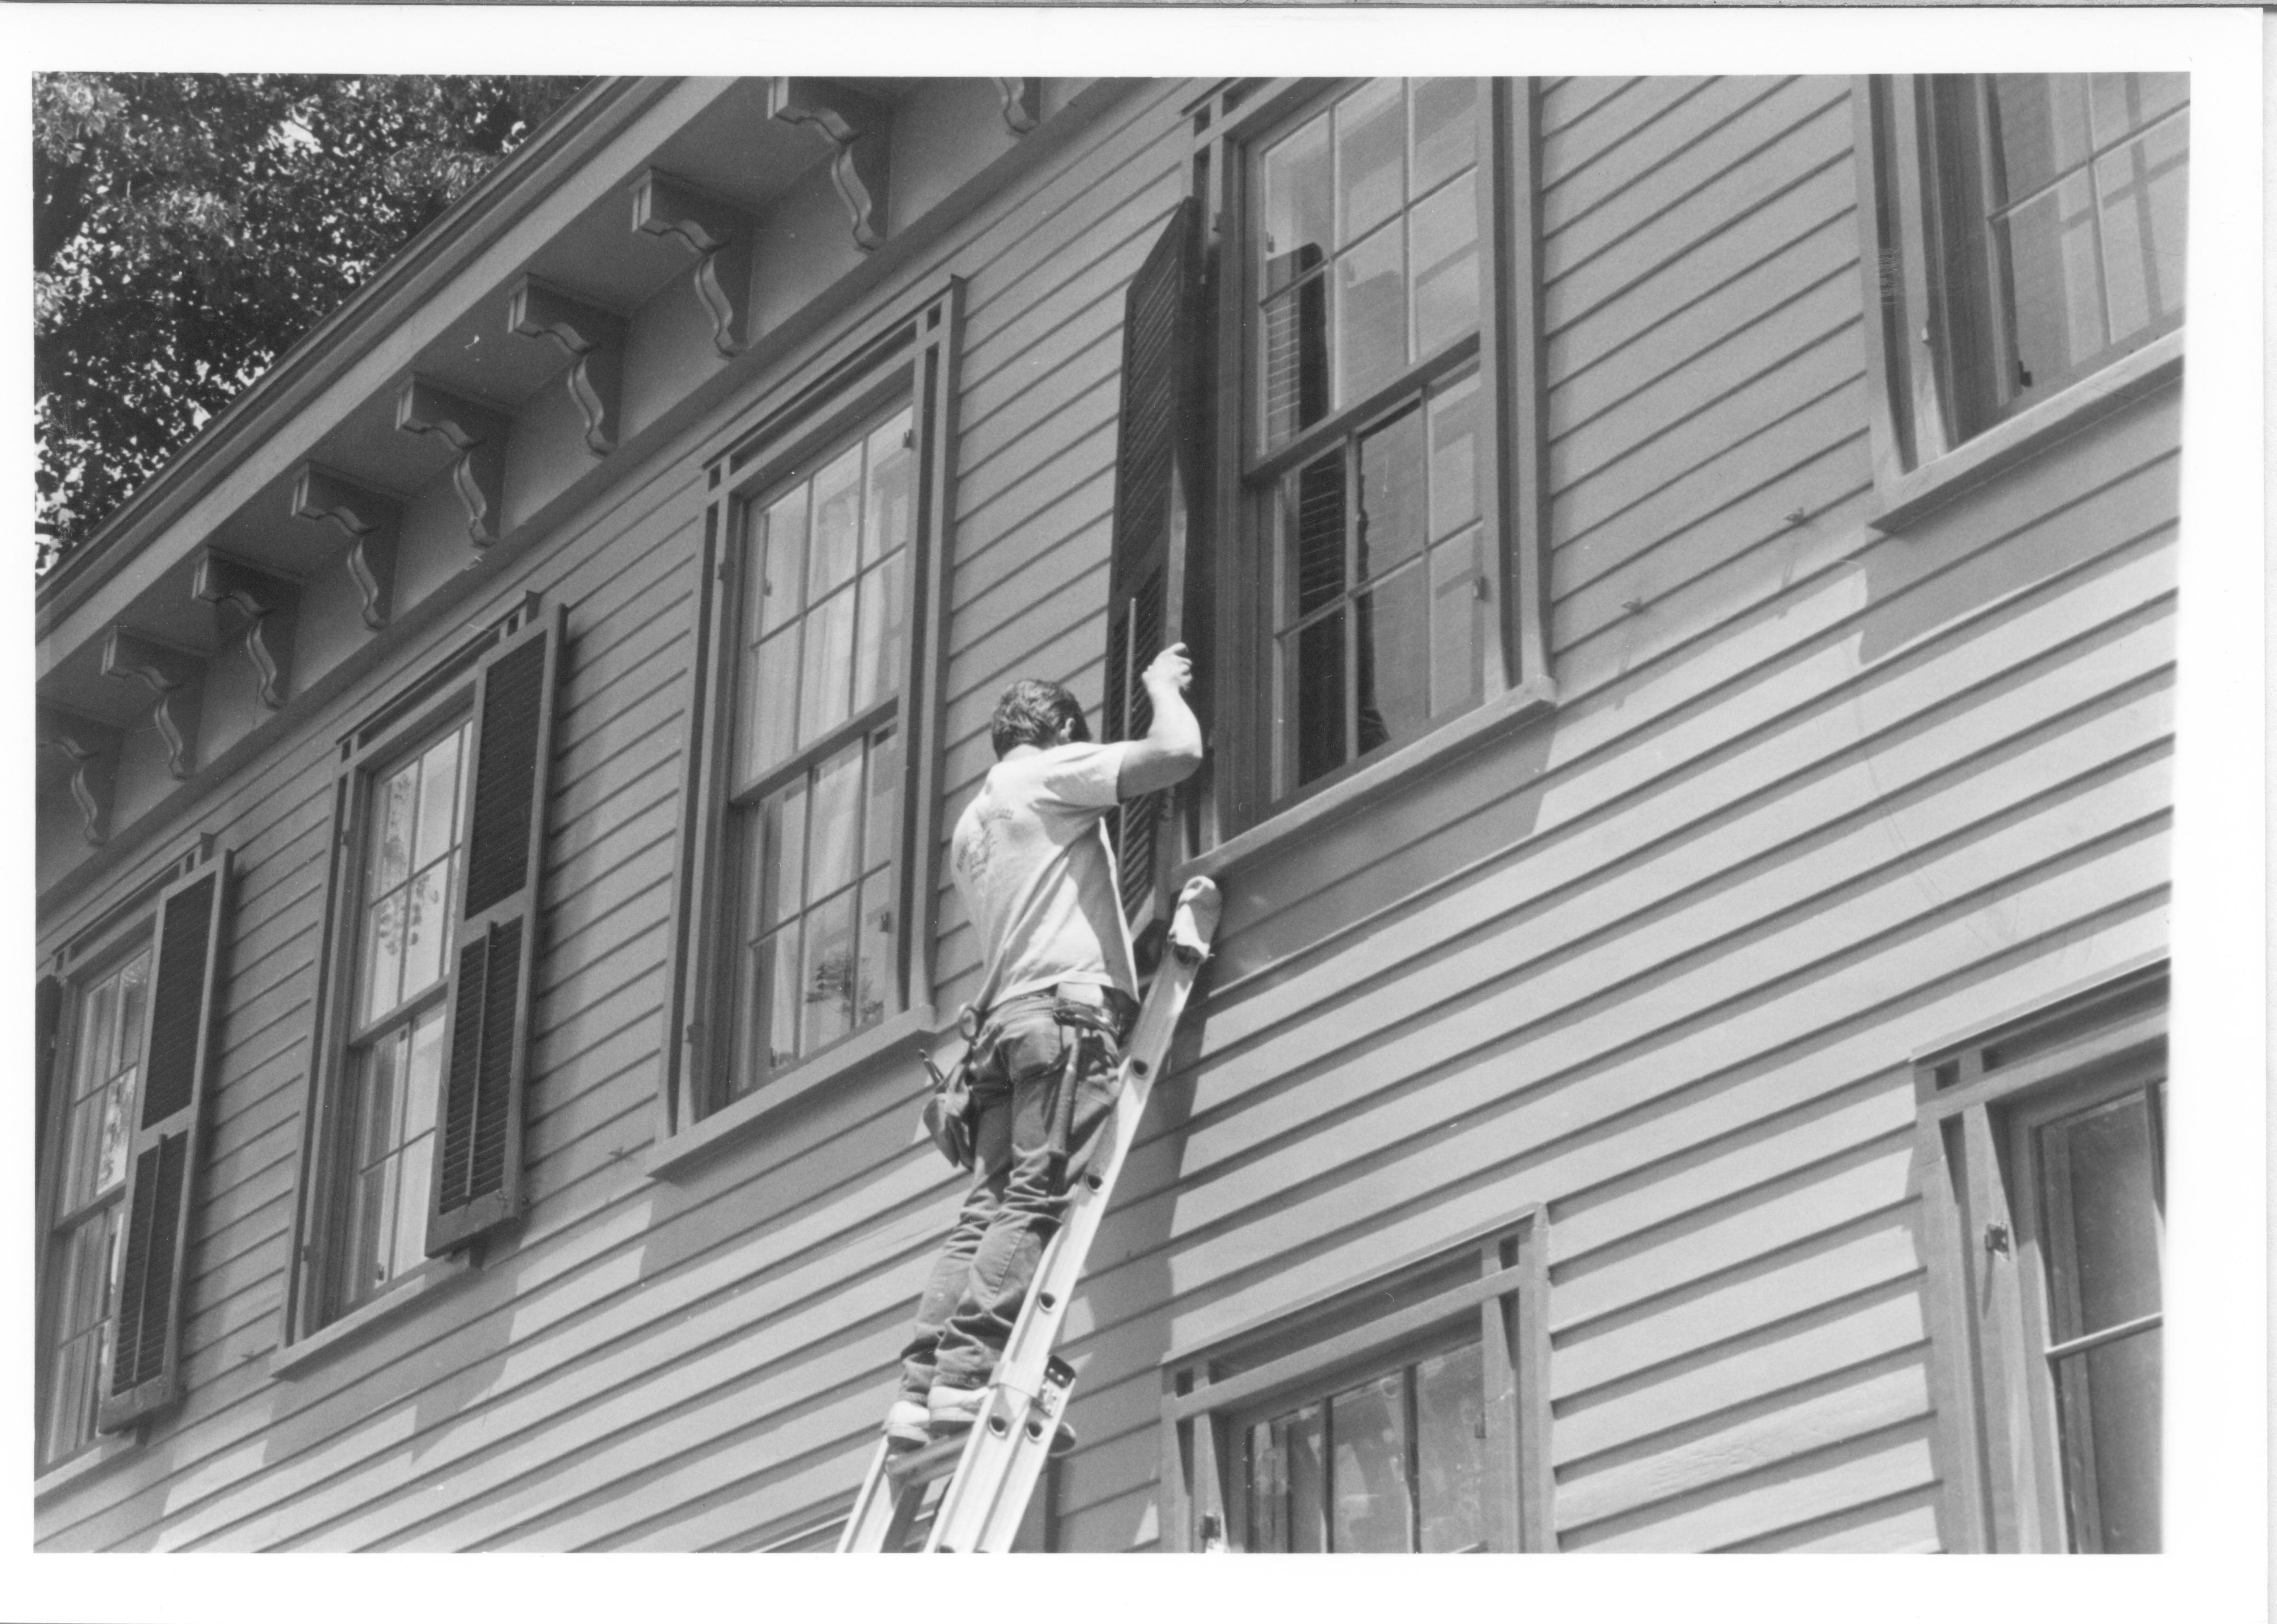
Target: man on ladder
<point>1031,1105</point>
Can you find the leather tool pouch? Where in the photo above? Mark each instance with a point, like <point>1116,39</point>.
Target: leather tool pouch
<point>948,1114</point>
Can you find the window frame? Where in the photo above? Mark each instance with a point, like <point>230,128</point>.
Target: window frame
<point>314,1323</point>
<point>89,959</point>
<point>1996,1432</point>
<point>1497,1276</point>
<point>909,357</point>
<point>1241,815</point>
<point>1920,463</point>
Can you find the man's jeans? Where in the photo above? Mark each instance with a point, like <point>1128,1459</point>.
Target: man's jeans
<point>1019,1192</point>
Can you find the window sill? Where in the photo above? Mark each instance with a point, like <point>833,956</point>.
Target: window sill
<point>429,1280</point>
<point>1371,784</point>
<point>87,1463</point>
<point>742,1121</point>
<point>1929,487</point>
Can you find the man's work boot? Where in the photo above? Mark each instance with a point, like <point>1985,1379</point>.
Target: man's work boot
<point>951,1409</point>
<point>907,1421</point>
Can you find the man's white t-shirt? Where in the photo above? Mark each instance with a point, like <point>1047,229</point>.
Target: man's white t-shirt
<point>1030,858</point>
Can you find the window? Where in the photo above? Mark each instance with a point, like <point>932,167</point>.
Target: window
<point>415,1147</point>
<point>1410,1415</point>
<point>411,827</point>
<point>2050,1132</point>
<point>821,547</point>
<point>105,1060</point>
<point>2030,232</point>
<point>1382,452</point>
<point>124,1132</point>
<point>817,774</point>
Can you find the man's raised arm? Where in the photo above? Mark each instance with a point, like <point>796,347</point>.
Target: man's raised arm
<point>1172,748</point>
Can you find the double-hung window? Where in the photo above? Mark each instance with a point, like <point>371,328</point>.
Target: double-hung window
<point>2028,231</point>
<point>123,1118</point>
<point>415,1140</point>
<point>1377,430</point>
<point>809,901</point>
<point>2045,1213</point>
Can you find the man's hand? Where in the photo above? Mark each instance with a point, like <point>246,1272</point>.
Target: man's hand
<point>1171,668</point>
<point>1173,745</point>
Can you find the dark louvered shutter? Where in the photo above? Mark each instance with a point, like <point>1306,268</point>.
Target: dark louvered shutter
<point>477,1167</point>
<point>1149,577</point>
<point>169,1138</point>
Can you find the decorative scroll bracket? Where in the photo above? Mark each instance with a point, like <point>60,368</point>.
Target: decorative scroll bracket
<point>176,676</point>
<point>475,434</point>
<point>718,234</point>
<point>369,518</point>
<point>92,747</point>
<point>268,603</point>
<point>856,128</point>
<point>592,338</point>
<point>1022,101</point>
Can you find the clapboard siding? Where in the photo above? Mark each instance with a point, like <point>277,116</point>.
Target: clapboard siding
<point>1655,963</point>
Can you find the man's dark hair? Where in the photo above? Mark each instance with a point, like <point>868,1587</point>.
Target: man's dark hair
<point>1032,712</point>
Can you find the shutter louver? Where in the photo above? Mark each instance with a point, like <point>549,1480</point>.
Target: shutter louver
<point>175,1063</point>
<point>1149,575</point>
<point>477,1179</point>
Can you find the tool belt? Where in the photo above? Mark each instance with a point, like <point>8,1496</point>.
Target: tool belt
<point>1086,1012</point>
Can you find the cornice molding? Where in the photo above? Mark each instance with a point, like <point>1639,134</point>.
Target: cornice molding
<point>176,676</point>
<point>92,747</point>
<point>368,518</point>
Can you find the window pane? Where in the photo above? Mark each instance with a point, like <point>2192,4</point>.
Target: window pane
<point>1315,530</point>
<point>422,1095</point>
<point>1268,1489</point>
<point>834,854</point>
<point>1450,1423</point>
<point>1455,608</point>
<point>829,970</point>
<point>1313,686</point>
<point>1296,364</point>
<point>86,1288</point>
<point>874,989</point>
<point>1369,1488</point>
<point>1297,1439</point>
<point>1371,154</point>
<point>393,810</point>
<point>778,976</point>
<point>383,954</point>
<point>1446,130</point>
<point>2108,1398</point>
<point>2102,1217</point>
<point>104,1067</point>
<point>835,550</point>
<point>1455,455</point>
<point>1444,241</point>
<point>371,1217</point>
<point>427,938</point>
<point>1371,315</point>
<point>892,510</point>
<point>884,817</point>
<point>782,886</point>
<point>98,1053</point>
<point>2140,190</point>
<point>2042,129</point>
<point>825,680</point>
<point>2048,245</point>
<point>771,702</point>
<point>438,798</point>
<point>878,654</point>
<point>1391,495</point>
<point>782,543</point>
<point>1393,649</point>
<point>1295,194</point>
<point>2124,101</point>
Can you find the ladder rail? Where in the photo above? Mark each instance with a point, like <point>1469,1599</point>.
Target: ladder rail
<point>1003,1455</point>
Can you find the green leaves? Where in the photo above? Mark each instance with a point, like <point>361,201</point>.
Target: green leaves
<point>188,228</point>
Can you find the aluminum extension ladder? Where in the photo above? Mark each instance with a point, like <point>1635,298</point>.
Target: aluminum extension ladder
<point>992,1468</point>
